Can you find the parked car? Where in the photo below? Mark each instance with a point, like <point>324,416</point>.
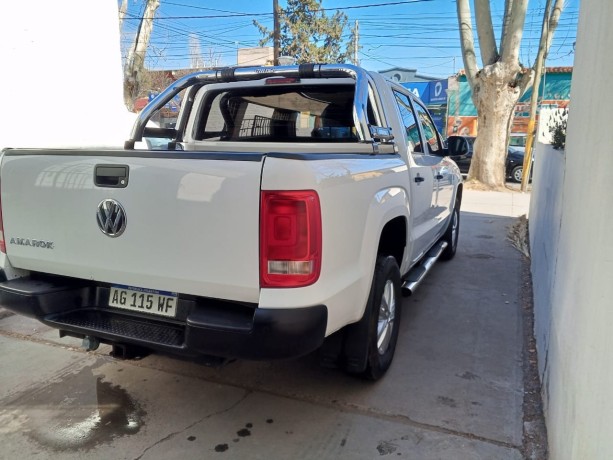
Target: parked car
<point>514,163</point>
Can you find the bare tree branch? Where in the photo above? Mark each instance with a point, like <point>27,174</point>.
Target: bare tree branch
<point>513,32</point>
<point>553,22</point>
<point>485,31</point>
<point>551,18</point>
<point>122,12</point>
<point>508,4</point>
<point>467,40</point>
<point>135,62</point>
<point>526,81</point>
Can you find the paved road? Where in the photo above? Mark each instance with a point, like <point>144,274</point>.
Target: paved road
<point>454,391</point>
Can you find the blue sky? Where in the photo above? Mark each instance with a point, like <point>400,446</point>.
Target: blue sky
<point>422,35</point>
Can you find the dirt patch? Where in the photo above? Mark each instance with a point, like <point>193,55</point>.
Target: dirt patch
<point>535,431</point>
<point>508,187</point>
<point>518,235</point>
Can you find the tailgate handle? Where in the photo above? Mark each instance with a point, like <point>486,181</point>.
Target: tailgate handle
<point>113,176</point>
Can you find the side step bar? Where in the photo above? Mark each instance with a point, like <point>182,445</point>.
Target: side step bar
<point>414,278</point>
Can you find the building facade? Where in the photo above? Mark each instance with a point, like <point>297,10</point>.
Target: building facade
<point>431,90</point>
<point>462,113</point>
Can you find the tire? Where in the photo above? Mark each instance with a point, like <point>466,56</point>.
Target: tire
<point>452,234</point>
<point>516,174</point>
<point>384,307</point>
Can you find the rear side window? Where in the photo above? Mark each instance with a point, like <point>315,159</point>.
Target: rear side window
<point>279,114</point>
<point>410,122</point>
<point>432,138</point>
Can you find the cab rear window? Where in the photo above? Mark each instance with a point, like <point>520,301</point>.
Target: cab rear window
<point>279,114</point>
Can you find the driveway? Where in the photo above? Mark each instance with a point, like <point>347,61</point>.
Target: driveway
<point>454,391</point>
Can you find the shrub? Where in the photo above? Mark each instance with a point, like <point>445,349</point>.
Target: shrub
<point>557,129</point>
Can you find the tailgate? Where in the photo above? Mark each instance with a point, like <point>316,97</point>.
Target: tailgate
<point>191,221</point>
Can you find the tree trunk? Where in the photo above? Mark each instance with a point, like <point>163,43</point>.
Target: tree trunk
<point>135,62</point>
<point>496,90</point>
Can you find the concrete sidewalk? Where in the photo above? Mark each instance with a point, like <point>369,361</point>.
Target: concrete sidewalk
<point>454,391</point>
<point>503,204</point>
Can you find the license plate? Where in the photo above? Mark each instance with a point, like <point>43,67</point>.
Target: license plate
<point>144,300</point>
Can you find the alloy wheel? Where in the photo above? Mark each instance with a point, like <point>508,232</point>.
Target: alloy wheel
<point>387,315</point>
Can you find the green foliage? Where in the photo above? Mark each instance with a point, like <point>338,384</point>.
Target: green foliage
<point>557,129</point>
<point>307,34</point>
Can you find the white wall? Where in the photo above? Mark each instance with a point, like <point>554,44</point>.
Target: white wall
<point>572,256</point>
<point>545,218</point>
<point>61,76</point>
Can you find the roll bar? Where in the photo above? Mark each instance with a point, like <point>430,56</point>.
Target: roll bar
<point>234,74</point>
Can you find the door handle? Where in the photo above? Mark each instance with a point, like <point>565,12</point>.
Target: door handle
<point>438,176</point>
<point>112,176</point>
<point>419,179</point>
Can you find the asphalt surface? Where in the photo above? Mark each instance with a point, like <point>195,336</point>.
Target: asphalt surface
<point>454,391</point>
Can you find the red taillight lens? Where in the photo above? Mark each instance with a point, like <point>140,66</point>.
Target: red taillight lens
<point>2,243</point>
<point>290,238</point>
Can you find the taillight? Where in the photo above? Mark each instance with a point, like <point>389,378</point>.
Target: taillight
<point>281,80</point>
<point>2,243</point>
<point>290,238</point>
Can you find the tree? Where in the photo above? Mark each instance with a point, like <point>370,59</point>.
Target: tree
<point>134,68</point>
<point>123,9</point>
<point>307,34</point>
<point>497,86</point>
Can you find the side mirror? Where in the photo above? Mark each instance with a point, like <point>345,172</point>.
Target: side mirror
<point>457,146</point>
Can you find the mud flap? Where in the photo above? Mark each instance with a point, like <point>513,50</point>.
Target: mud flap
<point>355,347</point>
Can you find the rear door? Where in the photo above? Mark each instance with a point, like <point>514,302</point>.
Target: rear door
<point>422,180</point>
<point>190,220</point>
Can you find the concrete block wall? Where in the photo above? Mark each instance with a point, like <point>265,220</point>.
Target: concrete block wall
<point>572,255</point>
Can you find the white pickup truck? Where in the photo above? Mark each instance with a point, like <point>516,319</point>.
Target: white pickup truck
<point>289,211</point>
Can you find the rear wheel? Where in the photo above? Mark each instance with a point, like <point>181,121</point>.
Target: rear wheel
<point>384,307</point>
<point>452,233</point>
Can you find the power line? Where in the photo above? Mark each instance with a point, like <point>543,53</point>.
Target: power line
<point>388,34</point>
<point>355,7</point>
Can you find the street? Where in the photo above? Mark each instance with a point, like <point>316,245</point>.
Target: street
<point>455,389</point>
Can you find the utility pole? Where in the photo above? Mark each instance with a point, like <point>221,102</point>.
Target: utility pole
<point>550,22</point>
<point>276,32</point>
<point>538,70</point>
<point>356,43</point>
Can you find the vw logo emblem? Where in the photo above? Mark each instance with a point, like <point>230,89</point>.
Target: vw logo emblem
<point>111,218</point>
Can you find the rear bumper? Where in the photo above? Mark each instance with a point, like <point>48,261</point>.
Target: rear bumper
<point>202,327</point>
